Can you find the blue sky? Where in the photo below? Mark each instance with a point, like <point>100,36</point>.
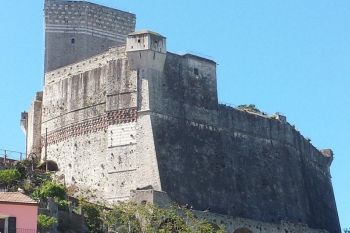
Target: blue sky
<point>289,56</point>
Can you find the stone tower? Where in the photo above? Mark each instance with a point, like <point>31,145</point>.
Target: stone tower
<point>75,30</point>
<point>146,49</point>
<point>146,52</point>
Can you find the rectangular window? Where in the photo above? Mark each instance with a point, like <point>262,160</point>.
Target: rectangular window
<point>196,72</point>
<point>12,225</point>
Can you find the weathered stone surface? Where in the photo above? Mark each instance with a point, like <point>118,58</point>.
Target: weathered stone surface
<point>75,30</point>
<point>115,126</point>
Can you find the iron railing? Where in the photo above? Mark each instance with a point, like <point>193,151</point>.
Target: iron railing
<point>10,155</point>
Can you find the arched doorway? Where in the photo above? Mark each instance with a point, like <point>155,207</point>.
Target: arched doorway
<point>49,165</point>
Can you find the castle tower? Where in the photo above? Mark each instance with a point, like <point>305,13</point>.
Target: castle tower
<point>146,49</point>
<point>146,52</point>
<point>75,30</point>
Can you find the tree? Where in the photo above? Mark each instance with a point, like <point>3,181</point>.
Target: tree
<point>93,215</point>
<point>9,177</point>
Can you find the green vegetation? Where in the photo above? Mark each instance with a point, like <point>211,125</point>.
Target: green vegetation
<point>50,189</point>
<point>249,108</point>
<point>133,218</point>
<point>9,177</point>
<point>45,222</point>
<point>122,218</point>
<point>144,218</point>
<point>93,215</point>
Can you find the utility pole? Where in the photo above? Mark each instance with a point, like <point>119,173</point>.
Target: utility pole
<point>5,154</point>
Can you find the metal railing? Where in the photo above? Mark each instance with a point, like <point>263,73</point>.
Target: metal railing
<point>10,155</point>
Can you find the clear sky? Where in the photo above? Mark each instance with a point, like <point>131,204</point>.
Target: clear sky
<point>289,56</point>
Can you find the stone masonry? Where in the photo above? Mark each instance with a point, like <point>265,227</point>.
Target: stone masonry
<point>137,117</point>
<point>75,30</point>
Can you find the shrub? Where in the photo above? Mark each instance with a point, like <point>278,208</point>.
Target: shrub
<point>50,189</point>
<point>46,222</point>
<point>62,204</point>
<point>249,108</point>
<point>9,177</point>
<point>93,216</point>
<point>21,169</point>
<point>39,178</point>
<point>129,217</point>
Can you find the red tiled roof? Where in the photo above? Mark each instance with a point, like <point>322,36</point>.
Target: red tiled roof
<point>15,197</point>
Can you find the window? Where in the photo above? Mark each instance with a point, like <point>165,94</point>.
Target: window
<point>73,41</point>
<point>12,225</point>
<point>196,71</point>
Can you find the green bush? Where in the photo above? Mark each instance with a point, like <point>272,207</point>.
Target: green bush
<point>249,108</point>
<point>21,169</point>
<point>62,204</point>
<point>39,178</point>
<point>46,222</point>
<point>93,216</point>
<point>50,189</point>
<point>9,177</point>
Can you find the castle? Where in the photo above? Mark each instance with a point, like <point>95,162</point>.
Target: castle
<point>118,113</point>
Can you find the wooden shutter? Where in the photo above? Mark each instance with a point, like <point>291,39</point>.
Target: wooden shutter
<point>12,225</point>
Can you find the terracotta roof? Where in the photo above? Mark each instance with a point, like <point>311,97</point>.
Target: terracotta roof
<point>15,197</point>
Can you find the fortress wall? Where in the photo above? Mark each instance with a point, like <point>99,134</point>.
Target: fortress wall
<point>313,167</point>
<point>230,174</point>
<point>234,162</point>
<point>86,90</point>
<point>77,30</point>
<point>90,112</point>
<point>182,93</point>
<point>323,210</point>
<point>33,129</point>
<point>241,176</point>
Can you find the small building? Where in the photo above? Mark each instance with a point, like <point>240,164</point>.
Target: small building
<point>18,213</point>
